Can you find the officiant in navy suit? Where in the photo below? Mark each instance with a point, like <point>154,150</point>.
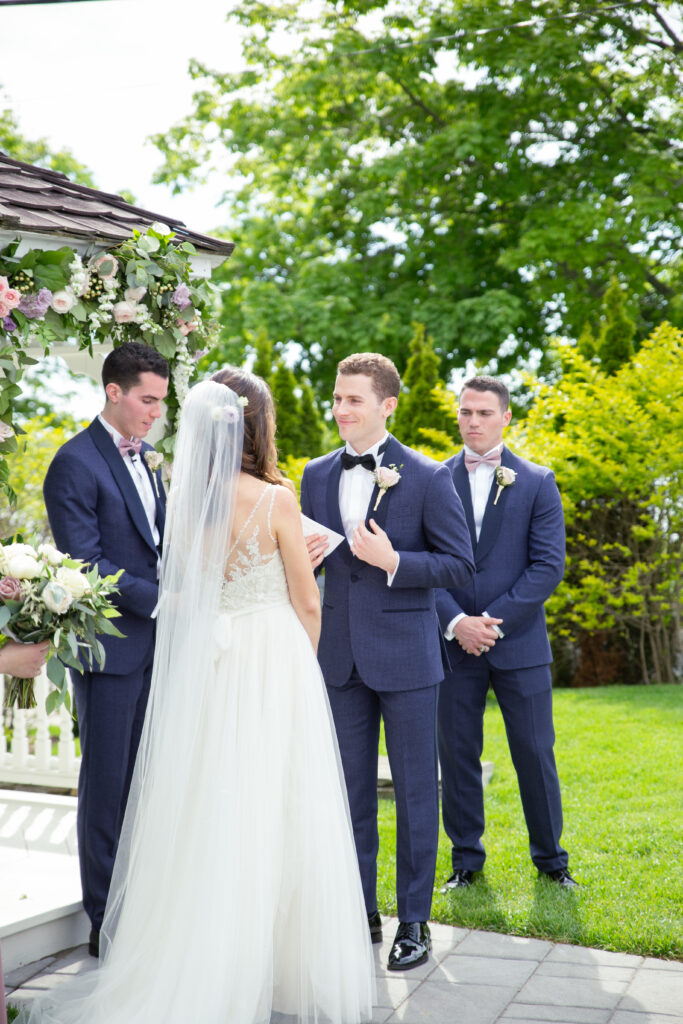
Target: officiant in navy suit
<point>380,648</point>
<point>496,632</point>
<point>106,507</point>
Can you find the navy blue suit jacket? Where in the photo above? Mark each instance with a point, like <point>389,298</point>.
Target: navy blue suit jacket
<point>391,634</point>
<point>519,562</point>
<point>96,514</point>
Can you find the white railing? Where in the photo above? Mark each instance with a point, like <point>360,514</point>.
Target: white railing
<point>36,757</point>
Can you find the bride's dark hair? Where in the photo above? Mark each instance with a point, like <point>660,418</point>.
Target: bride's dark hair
<point>259,453</point>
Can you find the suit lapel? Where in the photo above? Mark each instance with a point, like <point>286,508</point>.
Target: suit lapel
<point>158,492</point>
<point>461,479</point>
<point>391,456</point>
<point>112,457</point>
<point>493,514</point>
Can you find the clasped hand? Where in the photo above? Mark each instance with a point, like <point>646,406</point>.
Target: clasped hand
<point>475,632</point>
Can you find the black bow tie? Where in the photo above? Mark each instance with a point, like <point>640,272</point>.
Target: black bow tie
<point>348,461</point>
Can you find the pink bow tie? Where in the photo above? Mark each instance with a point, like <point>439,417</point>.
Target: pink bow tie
<point>131,447</point>
<point>472,461</point>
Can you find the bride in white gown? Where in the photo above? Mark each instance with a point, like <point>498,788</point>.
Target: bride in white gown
<point>236,896</point>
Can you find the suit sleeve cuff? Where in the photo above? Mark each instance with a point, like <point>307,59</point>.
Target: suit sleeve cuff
<point>449,634</point>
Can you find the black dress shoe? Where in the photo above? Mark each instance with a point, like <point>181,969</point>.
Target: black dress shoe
<point>411,946</point>
<point>561,877</point>
<point>375,925</point>
<point>460,879</point>
<point>94,942</point>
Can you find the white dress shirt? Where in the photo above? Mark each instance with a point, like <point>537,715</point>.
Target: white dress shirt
<point>480,480</point>
<point>355,490</point>
<point>140,477</point>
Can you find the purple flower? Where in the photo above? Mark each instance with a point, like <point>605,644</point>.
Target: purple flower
<point>35,306</point>
<point>9,324</point>
<point>181,296</point>
<point>199,354</point>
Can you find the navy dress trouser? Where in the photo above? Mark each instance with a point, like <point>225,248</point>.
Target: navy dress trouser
<point>531,736</point>
<point>111,712</point>
<point>410,732</point>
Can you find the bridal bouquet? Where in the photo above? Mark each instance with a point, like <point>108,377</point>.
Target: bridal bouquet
<point>46,595</point>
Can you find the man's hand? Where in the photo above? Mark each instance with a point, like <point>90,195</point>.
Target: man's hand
<point>476,631</point>
<point>374,547</point>
<point>316,544</point>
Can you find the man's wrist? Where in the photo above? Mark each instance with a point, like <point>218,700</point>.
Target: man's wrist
<point>449,633</point>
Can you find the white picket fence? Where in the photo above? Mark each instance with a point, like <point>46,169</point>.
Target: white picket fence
<point>35,757</point>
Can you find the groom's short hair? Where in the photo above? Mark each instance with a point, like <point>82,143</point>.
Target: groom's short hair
<point>488,384</point>
<point>386,382</point>
<point>124,365</point>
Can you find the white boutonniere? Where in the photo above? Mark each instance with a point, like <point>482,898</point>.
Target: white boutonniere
<point>385,477</point>
<point>505,477</point>
<point>155,461</point>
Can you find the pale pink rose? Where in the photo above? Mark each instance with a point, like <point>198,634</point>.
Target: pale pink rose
<point>5,431</point>
<point>11,297</point>
<point>186,326</point>
<point>4,308</point>
<point>134,294</point>
<point>63,301</point>
<point>387,477</point>
<point>11,589</point>
<point>125,312</point>
<point>4,285</point>
<point>105,265</point>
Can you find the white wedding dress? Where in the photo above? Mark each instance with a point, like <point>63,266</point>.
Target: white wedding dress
<point>237,897</point>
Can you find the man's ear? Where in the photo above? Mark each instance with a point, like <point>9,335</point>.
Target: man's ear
<point>113,392</point>
<point>389,406</point>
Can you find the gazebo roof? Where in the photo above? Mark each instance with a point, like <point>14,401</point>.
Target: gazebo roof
<point>45,203</point>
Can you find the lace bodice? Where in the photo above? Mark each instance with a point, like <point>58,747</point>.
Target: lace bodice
<point>254,572</point>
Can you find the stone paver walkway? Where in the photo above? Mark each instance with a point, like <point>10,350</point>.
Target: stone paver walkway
<point>479,978</point>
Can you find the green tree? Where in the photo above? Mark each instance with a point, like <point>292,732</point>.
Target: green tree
<point>615,442</point>
<point>421,408</point>
<point>263,350</point>
<point>312,434</point>
<point>283,386</point>
<point>615,344</point>
<point>437,162</point>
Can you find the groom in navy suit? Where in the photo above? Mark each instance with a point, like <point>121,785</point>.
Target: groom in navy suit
<point>106,507</point>
<point>496,633</point>
<point>380,648</point>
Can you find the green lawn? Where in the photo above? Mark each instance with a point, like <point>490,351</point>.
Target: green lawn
<point>618,750</point>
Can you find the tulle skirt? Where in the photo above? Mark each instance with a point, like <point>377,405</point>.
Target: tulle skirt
<point>241,898</point>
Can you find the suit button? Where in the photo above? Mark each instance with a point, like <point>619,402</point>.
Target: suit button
<point>354,577</point>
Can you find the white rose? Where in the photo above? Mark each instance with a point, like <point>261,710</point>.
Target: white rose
<point>125,312</point>
<point>5,431</point>
<point>74,581</point>
<point>505,476</point>
<point>134,294</point>
<point>57,598</point>
<point>51,554</point>
<point>63,301</point>
<point>83,283</point>
<point>22,567</point>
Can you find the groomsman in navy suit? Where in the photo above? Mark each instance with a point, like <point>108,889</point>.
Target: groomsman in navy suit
<point>496,632</point>
<point>106,507</point>
<point>380,647</point>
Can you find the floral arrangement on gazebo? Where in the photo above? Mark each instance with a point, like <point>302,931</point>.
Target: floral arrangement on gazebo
<point>138,290</point>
